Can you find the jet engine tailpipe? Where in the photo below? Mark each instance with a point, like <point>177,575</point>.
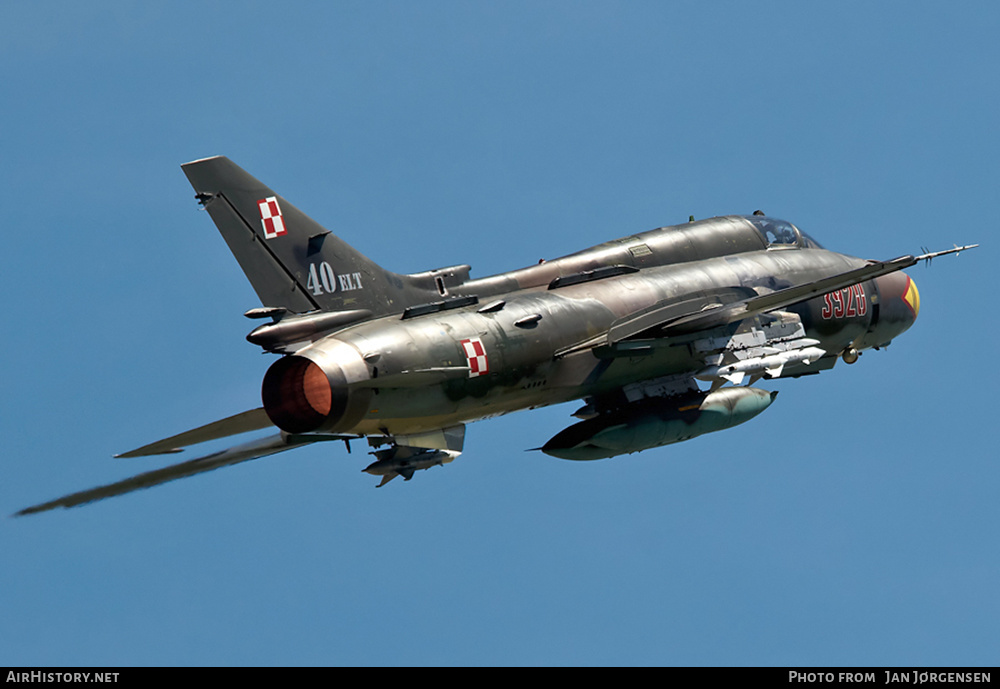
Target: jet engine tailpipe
<point>298,395</point>
<point>310,390</point>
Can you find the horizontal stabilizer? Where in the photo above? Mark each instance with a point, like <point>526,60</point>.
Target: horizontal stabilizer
<point>253,420</point>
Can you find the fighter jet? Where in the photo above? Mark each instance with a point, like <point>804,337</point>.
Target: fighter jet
<point>660,334</point>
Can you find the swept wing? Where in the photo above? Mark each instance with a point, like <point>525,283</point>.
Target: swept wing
<point>234,455</point>
<point>793,295</point>
<point>728,305</point>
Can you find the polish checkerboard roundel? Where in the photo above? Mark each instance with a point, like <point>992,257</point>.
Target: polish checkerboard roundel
<point>475,354</point>
<point>271,218</point>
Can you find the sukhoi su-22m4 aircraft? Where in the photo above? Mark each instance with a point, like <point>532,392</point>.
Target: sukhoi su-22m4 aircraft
<point>660,334</point>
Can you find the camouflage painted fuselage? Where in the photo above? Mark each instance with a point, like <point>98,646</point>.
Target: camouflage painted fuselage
<point>534,337</point>
<point>648,330</point>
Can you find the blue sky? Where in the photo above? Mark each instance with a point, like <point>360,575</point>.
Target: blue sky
<point>853,523</point>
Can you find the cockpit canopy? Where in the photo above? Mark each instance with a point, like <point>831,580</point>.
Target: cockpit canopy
<point>779,233</point>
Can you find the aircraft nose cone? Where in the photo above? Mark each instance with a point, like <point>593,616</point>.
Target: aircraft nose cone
<point>900,302</point>
<point>900,296</point>
<point>912,297</point>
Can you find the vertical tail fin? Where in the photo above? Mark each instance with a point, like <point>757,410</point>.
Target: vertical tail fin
<point>290,259</point>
